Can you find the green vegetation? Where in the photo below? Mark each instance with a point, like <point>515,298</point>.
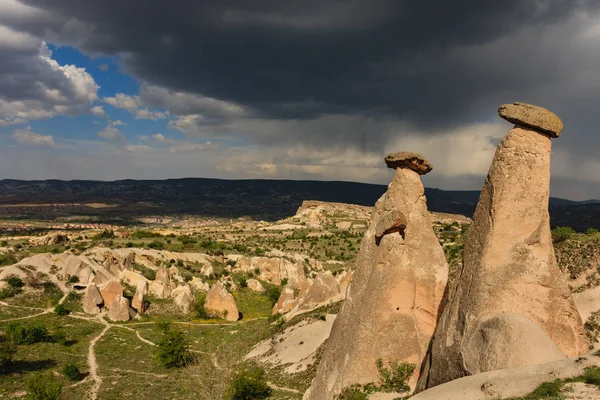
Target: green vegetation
<point>105,234</point>
<point>61,310</point>
<point>591,231</point>
<point>395,376</point>
<point>7,259</point>
<point>173,349</point>
<point>71,371</point>
<point>554,390</point>
<point>23,334</point>
<point>353,392</point>
<point>249,384</point>
<point>562,233</point>
<point>148,273</point>
<point>7,352</point>
<point>42,387</point>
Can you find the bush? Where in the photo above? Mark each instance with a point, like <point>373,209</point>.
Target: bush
<point>591,231</point>
<point>547,390</point>
<point>19,334</point>
<point>592,376</point>
<point>199,306</point>
<point>7,259</point>
<point>73,279</point>
<point>353,392</point>
<point>42,387</point>
<point>273,294</point>
<point>142,234</point>
<point>562,233</point>
<point>249,384</point>
<point>105,234</point>
<point>156,244</point>
<point>51,290</point>
<point>9,291</point>
<point>14,281</point>
<point>148,273</point>
<point>7,351</point>
<point>61,310</point>
<point>173,350</point>
<point>393,378</point>
<point>72,372</point>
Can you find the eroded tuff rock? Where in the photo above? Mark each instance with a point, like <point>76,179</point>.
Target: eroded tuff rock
<point>510,295</point>
<point>92,300</point>
<point>255,285</point>
<point>220,302</point>
<point>119,309</point>
<point>110,291</point>
<point>536,117</point>
<point>406,159</point>
<point>183,297</point>
<point>393,300</point>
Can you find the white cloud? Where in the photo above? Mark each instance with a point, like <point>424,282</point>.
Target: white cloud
<point>99,111</point>
<point>132,104</point>
<point>35,86</point>
<point>112,134</point>
<point>26,137</point>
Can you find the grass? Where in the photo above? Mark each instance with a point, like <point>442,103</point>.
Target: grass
<point>555,390</point>
<point>46,357</point>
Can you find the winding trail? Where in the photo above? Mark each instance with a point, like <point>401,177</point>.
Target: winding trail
<point>93,365</point>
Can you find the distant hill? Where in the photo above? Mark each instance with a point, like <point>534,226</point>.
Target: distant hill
<point>256,198</point>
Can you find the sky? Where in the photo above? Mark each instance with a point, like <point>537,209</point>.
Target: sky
<point>311,89</point>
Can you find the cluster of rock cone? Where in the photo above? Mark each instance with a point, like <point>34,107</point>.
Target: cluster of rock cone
<point>509,305</point>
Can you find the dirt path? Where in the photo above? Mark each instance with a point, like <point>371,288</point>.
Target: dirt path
<point>93,365</point>
<point>283,389</point>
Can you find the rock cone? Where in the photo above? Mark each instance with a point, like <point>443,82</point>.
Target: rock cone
<point>92,300</point>
<point>509,297</point>
<point>395,295</point>
<point>220,302</point>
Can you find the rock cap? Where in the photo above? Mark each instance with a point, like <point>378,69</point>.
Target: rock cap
<point>406,159</point>
<point>535,117</point>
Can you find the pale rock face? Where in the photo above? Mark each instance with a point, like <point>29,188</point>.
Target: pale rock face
<point>199,284</point>
<point>133,278</point>
<point>255,285</point>
<point>73,266</point>
<point>285,302</point>
<point>183,297</point>
<point>137,303</point>
<point>324,287</point>
<point>510,279</point>
<point>207,270</point>
<point>161,285</point>
<point>119,309</point>
<point>395,295</point>
<point>175,275</point>
<point>110,291</point>
<point>92,300</point>
<point>220,302</point>
<point>274,269</point>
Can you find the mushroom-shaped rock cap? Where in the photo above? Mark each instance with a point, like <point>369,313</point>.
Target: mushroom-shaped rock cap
<point>405,159</point>
<point>535,117</point>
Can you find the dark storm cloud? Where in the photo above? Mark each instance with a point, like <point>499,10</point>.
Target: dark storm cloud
<point>300,59</point>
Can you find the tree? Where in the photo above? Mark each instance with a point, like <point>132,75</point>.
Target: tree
<point>7,352</point>
<point>173,349</point>
<point>72,372</point>
<point>562,233</point>
<point>249,384</point>
<point>42,387</point>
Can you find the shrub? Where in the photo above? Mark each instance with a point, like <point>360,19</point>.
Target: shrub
<point>156,244</point>
<point>51,290</point>
<point>273,294</point>
<point>9,291</point>
<point>148,273</point>
<point>243,283</point>
<point>19,334</point>
<point>7,351</point>
<point>249,384</point>
<point>592,376</point>
<point>61,310</point>
<point>72,372</point>
<point>562,233</point>
<point>73,279</point>
<point>105,234</point>
<point>284,281</point>
<point>591,231</point>
<point>353,392</point>
<point>142,234</point>
<point>199,306</point>
<point>393,378</point>
<point>173,350</point>
<point>14,281</point>
<point>42,387</point>
<point>7,259</point>
<point>547,390</point>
